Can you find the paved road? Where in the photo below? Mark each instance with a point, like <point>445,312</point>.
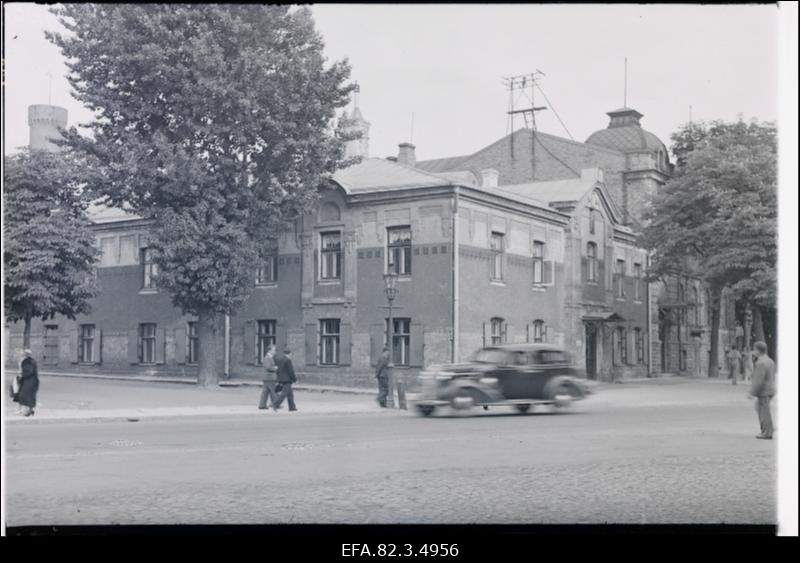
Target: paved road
<point>655,459</point>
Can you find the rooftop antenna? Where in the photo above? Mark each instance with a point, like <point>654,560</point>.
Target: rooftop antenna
<point>516,84</point>
<point>625,90</point>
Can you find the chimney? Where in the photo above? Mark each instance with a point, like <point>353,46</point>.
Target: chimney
<point>489,178</point>
<point>406,155</point>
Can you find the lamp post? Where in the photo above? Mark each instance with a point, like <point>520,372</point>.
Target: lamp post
<point>390,282</point>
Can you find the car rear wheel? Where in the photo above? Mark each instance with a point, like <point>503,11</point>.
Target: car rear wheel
<point>562,396</point>
<point>523,408</point>
<point>426,410</point>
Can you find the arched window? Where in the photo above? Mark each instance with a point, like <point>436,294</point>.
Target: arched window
<point>498,334</point>
<point>592,226</point>
<point>591,262</point>
<point>538,332</point>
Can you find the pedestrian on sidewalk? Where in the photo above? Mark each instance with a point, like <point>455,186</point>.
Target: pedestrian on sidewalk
<point>28,384</point>
<point>763,389</point>
<point>734,360</point>
<point>382,375</point>
<point>286,378</point>
<point>270,379</point>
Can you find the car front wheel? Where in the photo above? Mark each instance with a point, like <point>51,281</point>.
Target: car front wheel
<point>523,408</point>
<point>426,410</point>
<point>465,399</point>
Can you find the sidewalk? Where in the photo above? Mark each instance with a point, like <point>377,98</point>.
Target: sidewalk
<point>71,397</point>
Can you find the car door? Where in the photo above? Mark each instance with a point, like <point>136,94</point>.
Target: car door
<point>504,371</point>
<point>553,363</point>
<point>522,377</point>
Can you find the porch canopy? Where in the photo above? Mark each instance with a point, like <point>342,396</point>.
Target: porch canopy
<point>603,317</point>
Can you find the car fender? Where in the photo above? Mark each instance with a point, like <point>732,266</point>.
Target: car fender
<point>565,381</point>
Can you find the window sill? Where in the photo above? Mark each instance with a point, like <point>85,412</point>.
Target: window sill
<point>594,283</point>
<point>330,282</point>
<point>539,287</point>
<point>266,285</point>
<point>497,282</point>
<point>620,299</point>
<point>148,291</point>
<point>330,365</point>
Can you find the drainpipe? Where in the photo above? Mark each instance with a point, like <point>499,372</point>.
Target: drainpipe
<point>227,373</point>
<point>649,323</point>
<point>456,327</point>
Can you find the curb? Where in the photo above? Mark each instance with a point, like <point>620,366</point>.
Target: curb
<point>193,381</point>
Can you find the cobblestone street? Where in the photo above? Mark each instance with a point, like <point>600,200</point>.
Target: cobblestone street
<point>631,454</point>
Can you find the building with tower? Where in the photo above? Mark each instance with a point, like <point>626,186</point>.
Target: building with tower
<point>530,239</point>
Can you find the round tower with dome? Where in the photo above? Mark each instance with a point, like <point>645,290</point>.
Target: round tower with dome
<point>647,165</point>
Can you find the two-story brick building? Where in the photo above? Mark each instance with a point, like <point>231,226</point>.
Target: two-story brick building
<point>515,243</point>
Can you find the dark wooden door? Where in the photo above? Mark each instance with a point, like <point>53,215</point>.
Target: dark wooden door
<point>50,345</point>
<point>591,351</point>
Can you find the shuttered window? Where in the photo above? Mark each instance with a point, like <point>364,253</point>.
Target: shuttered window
<point>331,256</point>
<point>147,343</point>
<point>193,343</point>
<point>329,342</point>
<point>591,256</point>
<point>538,262</point>
<point>265,337</point>
<point>401,340</point>
<point>497,248</point>
<point>498,328</point>
<point>86,344</point>
<point>398,253</point>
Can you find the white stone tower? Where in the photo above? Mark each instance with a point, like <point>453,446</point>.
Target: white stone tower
<point>44,121</point>
<point>357,123</point>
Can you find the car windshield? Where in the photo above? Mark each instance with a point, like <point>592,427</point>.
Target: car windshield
<point>491,356</point>
<point>553,357</point>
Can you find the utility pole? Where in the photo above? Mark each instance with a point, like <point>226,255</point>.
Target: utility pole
<point>516,84</point>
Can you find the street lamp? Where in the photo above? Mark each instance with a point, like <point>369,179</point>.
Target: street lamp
<point>390,282</point>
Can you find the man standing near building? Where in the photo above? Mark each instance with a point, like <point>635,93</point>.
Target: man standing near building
<point>382,374</point>
<point>763,389</point>
<point>286,378</point>
<point>270,378</point>
<point>734,359</point>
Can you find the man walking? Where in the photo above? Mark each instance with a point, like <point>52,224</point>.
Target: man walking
<point>734,359</point>
<point>382,374</point>
<point>286,378</point>
<point>763,389</point>
<point>270,379</point>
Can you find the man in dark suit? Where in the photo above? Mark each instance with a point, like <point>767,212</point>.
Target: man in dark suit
<point>382,374</point>
<point>763,389</point>
<point>286,378</point>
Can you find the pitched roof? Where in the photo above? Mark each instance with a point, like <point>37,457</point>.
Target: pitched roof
<point>378,174</point>
<point>572,189</point>
<point>441,164</point>
<point>99,214</point>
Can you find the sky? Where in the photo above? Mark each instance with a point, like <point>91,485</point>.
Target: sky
<point>432,74</point>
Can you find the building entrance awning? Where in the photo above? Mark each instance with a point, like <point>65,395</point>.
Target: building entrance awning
<point>603,317</point>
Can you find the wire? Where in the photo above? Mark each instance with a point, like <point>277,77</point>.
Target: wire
<point>554,111</point>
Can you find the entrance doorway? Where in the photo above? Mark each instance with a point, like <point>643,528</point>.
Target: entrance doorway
<point>591,351</point>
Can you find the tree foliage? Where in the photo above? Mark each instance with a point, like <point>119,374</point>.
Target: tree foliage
<point>213,122</point>
<point>49,249</point>
<point>717,216</point>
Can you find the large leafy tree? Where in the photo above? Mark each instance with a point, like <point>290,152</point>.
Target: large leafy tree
<point>213,122</point>
<point>716,218</point>
<point>49,248</point>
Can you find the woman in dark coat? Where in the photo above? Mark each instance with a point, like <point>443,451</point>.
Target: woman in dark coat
<point>28,384</point>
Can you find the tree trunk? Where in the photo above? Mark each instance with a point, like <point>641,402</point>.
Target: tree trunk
<point>207,342</point>
<point>26,333</point>
<point>747,360</point>
<point>758,325</point>
<point>713,365</point>
<point>769,321</point>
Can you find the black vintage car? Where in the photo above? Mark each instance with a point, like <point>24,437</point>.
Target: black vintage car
<point>519,375</point>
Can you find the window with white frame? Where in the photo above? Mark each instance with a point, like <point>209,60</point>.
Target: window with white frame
<point>637,282</point>
<point>591,262</point>
<point>265,337</point>
<point>331,255</point>
<point>538,331</point>
<point>267,272</point>
<point>194,341</point>
<point>498,331</point>
<point>329,341</point>
<point>86,344</point>
<point>398,255</point>
<point>620,278</point>
<point>538,262</point>
<point>149,269</point>
<point>496,245</point>
<point>147,343</point>
<point>401,340</point>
